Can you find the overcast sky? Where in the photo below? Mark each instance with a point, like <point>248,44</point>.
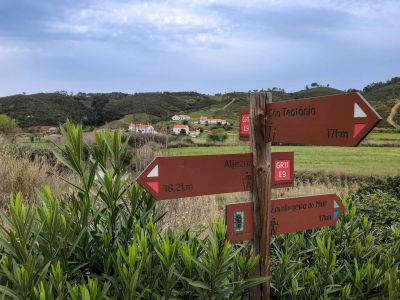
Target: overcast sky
<point>205,46</point>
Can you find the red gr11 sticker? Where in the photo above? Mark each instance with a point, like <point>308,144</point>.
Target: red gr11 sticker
<point>282,170</point>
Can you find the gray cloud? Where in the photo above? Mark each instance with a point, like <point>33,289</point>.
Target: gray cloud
<point>208,46</point>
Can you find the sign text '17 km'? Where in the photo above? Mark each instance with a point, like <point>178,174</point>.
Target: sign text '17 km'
<point>189,176</point>
<point>287,215</point>
<point>336,120</point>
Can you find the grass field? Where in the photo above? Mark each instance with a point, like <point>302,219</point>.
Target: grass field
<point>384,136</point>
<point>364,161</point>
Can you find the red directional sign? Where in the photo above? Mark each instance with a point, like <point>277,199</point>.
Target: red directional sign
<point>302,213</point>
<point>337,120</point>
<point>189,176</point>
<point>287,215</point>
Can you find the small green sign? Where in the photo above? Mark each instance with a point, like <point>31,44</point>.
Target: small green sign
<point>238,221</point>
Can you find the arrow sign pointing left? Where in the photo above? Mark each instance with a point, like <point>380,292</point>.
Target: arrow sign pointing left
<point>189,176</point>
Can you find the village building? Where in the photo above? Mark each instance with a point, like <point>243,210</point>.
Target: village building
<point>141,128</point>
<point>180,118</point>
<point>204,120</point>
<point>43,129</point>
<point>194,133</point>
<point>52,130</point>
<point>177,129</point>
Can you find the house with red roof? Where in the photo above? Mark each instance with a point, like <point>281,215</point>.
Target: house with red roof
<point>177,129</point>
<point>141,128</point>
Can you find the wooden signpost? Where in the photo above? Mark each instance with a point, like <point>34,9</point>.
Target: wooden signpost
<point>287,215</point>
<point>189,176</point>
<point>337,120</point>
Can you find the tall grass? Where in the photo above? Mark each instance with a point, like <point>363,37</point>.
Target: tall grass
<point>19,173</point>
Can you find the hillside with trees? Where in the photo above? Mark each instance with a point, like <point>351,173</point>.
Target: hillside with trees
<point>96,109</point>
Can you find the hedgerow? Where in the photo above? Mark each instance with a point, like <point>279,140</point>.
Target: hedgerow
<point>101,240</point>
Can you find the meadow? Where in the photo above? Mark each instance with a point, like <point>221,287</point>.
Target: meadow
<point>361,161</point>
<point>384,136</point>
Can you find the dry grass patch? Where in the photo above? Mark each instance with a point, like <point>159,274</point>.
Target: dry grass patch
<point>204,211</point>
<point>21,174</point>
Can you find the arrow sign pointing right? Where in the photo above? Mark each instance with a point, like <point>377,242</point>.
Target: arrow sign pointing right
<point>287,215</point>
<point>337,120</point>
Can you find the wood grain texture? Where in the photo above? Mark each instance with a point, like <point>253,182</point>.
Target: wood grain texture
<point>261,194</point>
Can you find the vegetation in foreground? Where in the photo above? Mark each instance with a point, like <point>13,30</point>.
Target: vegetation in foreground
<point>104,240</point>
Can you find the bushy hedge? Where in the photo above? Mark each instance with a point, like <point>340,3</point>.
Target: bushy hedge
<point>137,140</point>
<point>102,241</point>
<point>353,260</point>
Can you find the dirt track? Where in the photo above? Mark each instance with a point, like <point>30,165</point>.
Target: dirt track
<point>393,114</point>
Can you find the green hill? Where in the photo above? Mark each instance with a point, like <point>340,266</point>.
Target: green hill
<point>44,109</point>
<point>96,109</point>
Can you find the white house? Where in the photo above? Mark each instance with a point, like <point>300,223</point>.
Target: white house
<point>205,120</point>
<point>141,128</point>
<point>195,133</point>
<point>178,129</point>
<point>180,118</point>
<point>217,121</point>
<point>52,130</point>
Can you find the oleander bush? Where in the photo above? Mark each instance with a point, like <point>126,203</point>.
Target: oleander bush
<point>353,260</point>
<point>102,241</point>
<point>359,258</point>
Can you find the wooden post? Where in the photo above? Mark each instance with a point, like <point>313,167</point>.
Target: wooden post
<point>261,194</point>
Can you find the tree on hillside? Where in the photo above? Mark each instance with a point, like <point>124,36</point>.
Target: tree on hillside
<point>98,104</point>
<point>217,135</point>
<point>8,126</point>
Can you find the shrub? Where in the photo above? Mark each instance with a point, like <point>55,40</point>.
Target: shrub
<point>8,125</point>
<point>139,140</point>
<point>217,135</point>
<point>102,241</point>
<point>389,185</point>
<point>347,261</point>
